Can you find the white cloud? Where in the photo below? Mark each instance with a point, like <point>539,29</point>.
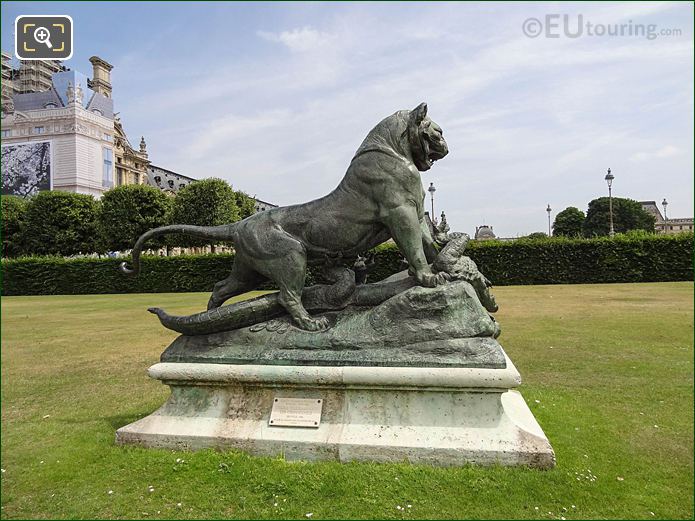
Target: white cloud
<point>665,151</point>
<point>299,40</point>
<point>528,121</point>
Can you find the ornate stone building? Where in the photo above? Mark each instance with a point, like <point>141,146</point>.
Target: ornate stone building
<point>59,132</point>
<point>68,120</point>
<point>167,180</point>
<point>58,139</point>
<point>484,233</point>
<point>131,164</point>
<point>665,225</point>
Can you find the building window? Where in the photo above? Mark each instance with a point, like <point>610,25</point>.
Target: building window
<point>50,106</point>
<point>97,112</point>
<point>107,137</point>
<point>39,130</point>
<point>107,179</point>
<point>7,132</point>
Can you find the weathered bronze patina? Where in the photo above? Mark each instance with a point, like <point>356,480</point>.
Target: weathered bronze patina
<point>380,197</point>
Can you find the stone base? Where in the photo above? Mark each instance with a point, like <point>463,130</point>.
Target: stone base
<point>438,416</point>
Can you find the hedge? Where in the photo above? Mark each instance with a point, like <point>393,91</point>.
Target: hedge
<point>646,258</point>
<point>59,276</point>
<point>625,258</point>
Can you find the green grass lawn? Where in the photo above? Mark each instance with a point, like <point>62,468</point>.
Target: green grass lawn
<point>607,369</point>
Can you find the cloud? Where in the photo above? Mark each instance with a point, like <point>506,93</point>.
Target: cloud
<point>298,40</point>
<point>528,121</point>
<point>663,152</point>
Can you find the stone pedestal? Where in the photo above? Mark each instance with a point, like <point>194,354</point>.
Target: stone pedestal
<point>436,415</point>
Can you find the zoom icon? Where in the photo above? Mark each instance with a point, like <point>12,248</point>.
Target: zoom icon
<point>43,37</point>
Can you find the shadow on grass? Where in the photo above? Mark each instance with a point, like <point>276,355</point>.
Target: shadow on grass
<point>122,420</point>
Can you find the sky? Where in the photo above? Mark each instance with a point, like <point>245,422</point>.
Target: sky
<point>276,97</point>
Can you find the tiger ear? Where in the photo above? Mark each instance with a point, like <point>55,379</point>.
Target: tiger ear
<point>418,113</point>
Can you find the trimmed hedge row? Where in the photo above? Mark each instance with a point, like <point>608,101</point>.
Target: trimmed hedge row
<point>59,276</point>
<point>645,258</point>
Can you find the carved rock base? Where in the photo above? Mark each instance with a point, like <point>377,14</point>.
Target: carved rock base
<point>438,416</point>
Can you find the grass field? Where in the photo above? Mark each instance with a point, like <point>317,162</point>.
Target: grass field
<point>608,372</point>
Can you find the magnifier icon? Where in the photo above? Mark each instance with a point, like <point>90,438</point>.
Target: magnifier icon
<point>42,35</point>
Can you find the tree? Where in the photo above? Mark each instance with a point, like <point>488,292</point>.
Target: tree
<point>209,202</point>
<point>627,215</point>
<point>61,223</point>
<point>129,211</point>
<point>13,210</point>
<point>245,203</point>
<point>537,235</point>
<point>568,222</point>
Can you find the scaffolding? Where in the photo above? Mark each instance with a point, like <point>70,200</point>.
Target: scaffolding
<point>30,76</point>
<point>36,75</point>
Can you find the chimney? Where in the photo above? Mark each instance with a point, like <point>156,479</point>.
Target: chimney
<point>101,79</point>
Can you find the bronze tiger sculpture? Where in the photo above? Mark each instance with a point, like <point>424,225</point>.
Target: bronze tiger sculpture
<point>380,197</point>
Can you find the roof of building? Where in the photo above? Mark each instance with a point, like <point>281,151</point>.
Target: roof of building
<point>265,202</point>
<point>36,100</point>
<point>58,94</point>
<point>102,104</point>
<point>167,171</point>
<point>484,232</point>
<point>166,179</point>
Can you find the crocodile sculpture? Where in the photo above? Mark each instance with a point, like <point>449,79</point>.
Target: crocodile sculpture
<point>450,262</point>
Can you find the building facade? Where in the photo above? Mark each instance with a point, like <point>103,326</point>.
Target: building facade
<point>484,233</point>
<point>58,139</point>
<point>131,164</point>
<point>166,180</point>
<point>663,224</point>
<point>59,131</point>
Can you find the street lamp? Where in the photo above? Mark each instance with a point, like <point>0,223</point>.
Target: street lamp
<point>431,190</point>
<point>549,209</point>
<point>664,203</point>
<point>609,179</point>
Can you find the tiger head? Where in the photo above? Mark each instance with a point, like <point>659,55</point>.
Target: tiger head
<point>425,139</point>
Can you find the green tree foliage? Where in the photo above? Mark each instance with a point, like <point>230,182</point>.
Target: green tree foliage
<point>129,211</point>
<point>13,210</point>
<point>245,203</point>
<point>537,235</point>
<point>568,223</point>
<point>627,215</point>
<point>61,223</point>
<point>209,202</point>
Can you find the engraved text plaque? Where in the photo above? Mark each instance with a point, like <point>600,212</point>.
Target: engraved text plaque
<point>296,412</point>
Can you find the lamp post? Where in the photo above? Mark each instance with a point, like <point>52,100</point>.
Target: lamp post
<point>664,203</point>
<point>550,230</point>
<point>609,179</point>
<point>431,190</point>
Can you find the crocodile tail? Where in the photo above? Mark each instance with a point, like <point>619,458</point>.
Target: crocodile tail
<point>225,232</point>
<point>224,318</point>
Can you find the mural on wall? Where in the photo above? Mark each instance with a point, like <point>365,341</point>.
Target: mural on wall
<point>26,168</point>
